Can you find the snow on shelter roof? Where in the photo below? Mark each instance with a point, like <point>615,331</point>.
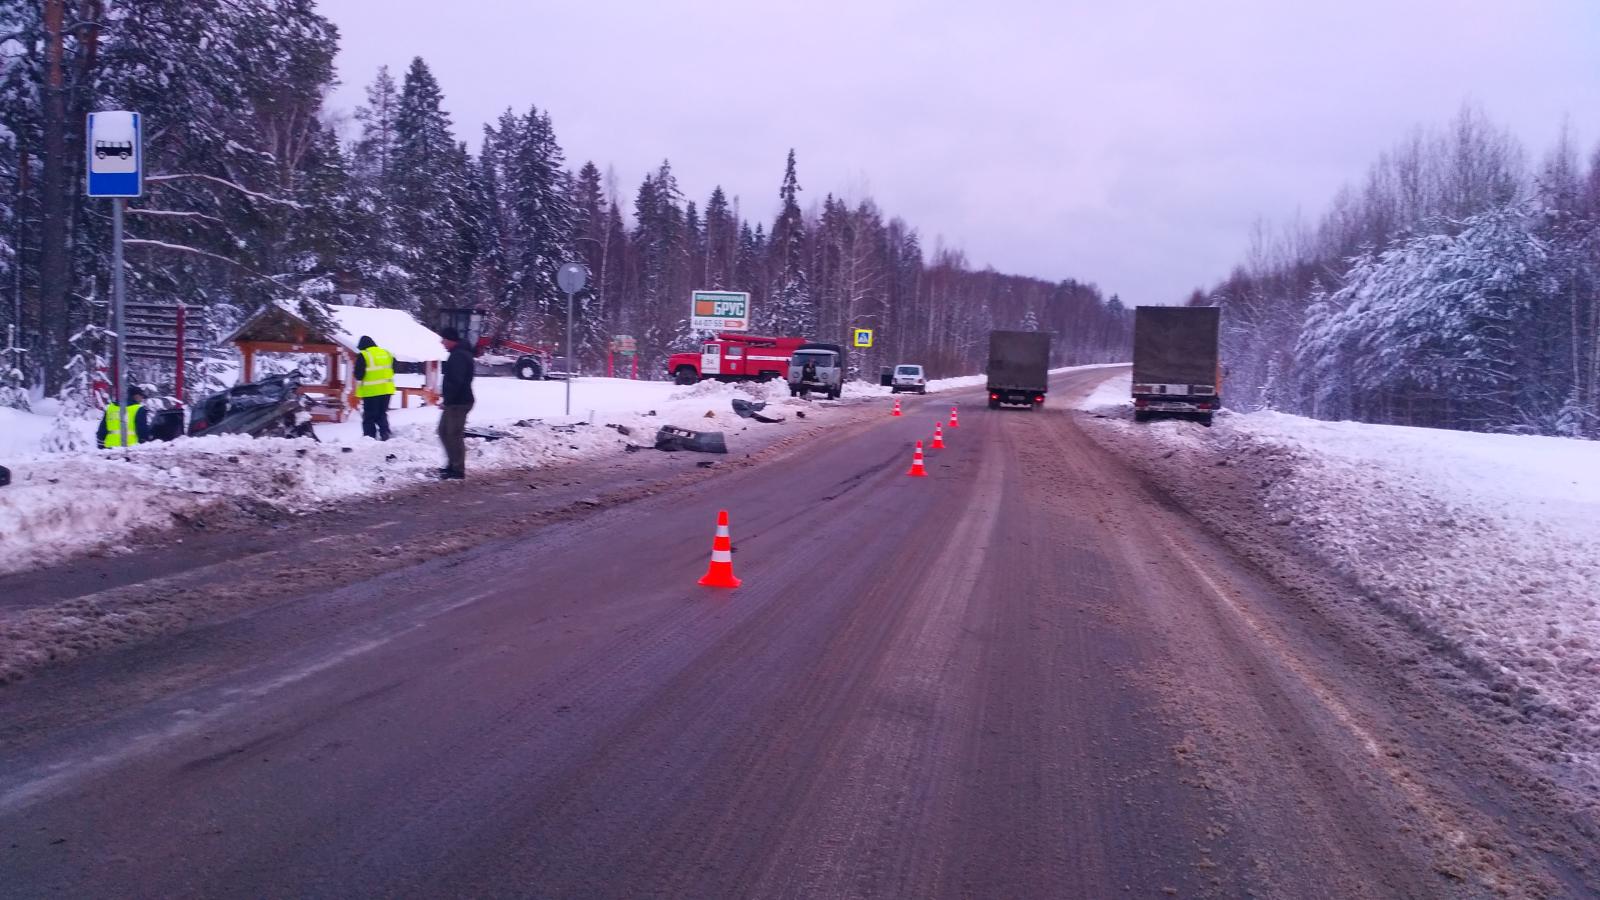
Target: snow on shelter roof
<point>394,330</point>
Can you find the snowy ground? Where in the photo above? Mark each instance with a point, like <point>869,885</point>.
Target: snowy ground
<point>1489,544</point>
<point>61,504</point>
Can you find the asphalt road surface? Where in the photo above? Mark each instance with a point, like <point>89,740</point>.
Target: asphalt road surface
<point>1028,675</point>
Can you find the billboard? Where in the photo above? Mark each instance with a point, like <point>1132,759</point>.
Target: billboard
<point>719,311</point>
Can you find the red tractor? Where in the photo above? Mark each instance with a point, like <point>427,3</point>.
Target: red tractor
<point>735,356</point>
<point>530,362</point>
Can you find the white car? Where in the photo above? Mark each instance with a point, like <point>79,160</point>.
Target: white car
<point>908,378</point>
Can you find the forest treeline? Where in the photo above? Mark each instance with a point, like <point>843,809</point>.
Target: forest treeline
<point>258,193</point>
<point>1457,286</point>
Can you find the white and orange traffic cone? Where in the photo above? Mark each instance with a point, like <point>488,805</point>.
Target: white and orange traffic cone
<point>954,422</point>
<point>938,437</point>
<point>896,406</point>
<point>720,574</point>
<point>917,471</point>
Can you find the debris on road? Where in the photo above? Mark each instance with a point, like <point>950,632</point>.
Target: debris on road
<point>486,433</point>
<point>672,439</point>
<point>747,409</point>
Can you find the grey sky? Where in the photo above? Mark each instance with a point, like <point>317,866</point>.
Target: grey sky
<point>1130,143</point>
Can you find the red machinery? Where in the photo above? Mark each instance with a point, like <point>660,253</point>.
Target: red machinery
<point>735,356</point>
<point>530,361</point>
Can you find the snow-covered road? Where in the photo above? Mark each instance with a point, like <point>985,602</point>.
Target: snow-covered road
<point>1487,543</point>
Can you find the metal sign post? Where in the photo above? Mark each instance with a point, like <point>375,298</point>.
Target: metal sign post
<point>571,278</point>
<point>115,153</point>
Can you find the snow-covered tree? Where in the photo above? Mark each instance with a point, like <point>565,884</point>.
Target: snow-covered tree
<point>79,398</point>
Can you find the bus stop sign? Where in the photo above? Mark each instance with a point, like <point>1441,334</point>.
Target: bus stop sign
<point>115,155</point>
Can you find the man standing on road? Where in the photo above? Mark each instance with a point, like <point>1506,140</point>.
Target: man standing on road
<point>374,385</point>
<point>125,426</point>
<point>456,399</point>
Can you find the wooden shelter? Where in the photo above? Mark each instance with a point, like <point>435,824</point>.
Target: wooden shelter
<point>280,328</point>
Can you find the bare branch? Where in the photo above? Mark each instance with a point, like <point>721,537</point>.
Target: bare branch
<point>225,183</point>
<point>184,248</point>
<point>175,213</point>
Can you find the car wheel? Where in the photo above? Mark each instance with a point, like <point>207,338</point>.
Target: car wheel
<point>1140,415</point>
<point>994,404</point>
<point>685,375</point>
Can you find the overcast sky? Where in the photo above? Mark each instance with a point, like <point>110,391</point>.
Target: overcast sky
<point>1131,144</point>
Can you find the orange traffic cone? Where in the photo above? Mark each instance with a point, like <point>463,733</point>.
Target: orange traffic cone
<point>720,574</point>
<point>954,422</point>
<point>897,406</point>
<point>938,436</point>
<point>916,464</point>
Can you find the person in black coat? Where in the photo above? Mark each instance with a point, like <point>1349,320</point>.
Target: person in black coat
<point>455,402</point>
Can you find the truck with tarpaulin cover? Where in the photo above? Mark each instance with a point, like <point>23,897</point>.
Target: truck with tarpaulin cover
<point>1177,368</point>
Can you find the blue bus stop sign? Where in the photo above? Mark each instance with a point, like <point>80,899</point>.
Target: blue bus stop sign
<point>116,155</point>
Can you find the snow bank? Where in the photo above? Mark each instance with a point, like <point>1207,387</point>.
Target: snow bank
<point>61,504</point>
<point>1488,544</point>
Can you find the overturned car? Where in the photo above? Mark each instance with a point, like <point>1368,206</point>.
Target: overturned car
<point>270,407</point>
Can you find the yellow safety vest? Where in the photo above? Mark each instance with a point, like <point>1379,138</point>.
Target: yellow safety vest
<point>379,377</point>
<point>121,425</point>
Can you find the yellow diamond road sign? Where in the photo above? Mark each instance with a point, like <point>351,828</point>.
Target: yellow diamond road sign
<point>863,337</point>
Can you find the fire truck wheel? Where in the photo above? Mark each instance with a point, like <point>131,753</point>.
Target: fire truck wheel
<point>685,375</point>
<point>528,370</point>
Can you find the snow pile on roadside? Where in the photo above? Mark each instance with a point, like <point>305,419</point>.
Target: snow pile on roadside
<point>1489,544</point>
<point>61,504</point>
<point>1111,393</point>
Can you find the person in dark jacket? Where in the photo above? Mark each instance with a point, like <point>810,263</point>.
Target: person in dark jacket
<point>455,401</point>
<point>125,426</point>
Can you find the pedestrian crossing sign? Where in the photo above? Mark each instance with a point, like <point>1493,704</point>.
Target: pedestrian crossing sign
<point>863,337</point>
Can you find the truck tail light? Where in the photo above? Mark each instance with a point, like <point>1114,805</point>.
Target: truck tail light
<point>1140,401</point>
<point>1038,398</point>
<point>1202,406</point>
<point>994,396</point>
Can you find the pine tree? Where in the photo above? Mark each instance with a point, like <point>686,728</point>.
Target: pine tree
<point>722,242</point>
<point>428,188</point>
<point>374,150</point>
<point>791,309</point>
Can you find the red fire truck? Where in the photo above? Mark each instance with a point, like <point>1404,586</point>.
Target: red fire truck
<point>735,356</point>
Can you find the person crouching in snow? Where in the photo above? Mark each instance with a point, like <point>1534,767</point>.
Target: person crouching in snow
<point>127,425</point>
<point>374,385</point>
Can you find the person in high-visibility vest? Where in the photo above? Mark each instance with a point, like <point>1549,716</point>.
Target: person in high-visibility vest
<point>125,425</point>
<point>374,385</point>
